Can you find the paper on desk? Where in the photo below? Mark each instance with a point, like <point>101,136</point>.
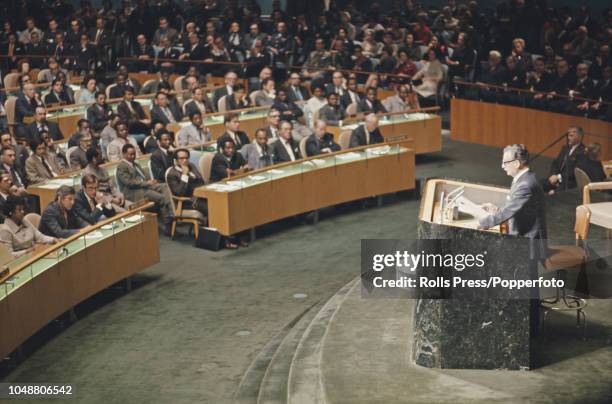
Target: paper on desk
<point>315,162</point>
<point>351,127</point>
<point>93,235</point>
<point>469,207</point>
<point>257,177</point>
<point>56,183</point>
<point>348,156</point>
<point>134,218</point>
<point>237,183</point>
<point>275,171</point>
<point>222,187</point>
<point>380,150</point>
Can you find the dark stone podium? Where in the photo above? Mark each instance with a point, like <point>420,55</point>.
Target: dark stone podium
<point>471,328</point>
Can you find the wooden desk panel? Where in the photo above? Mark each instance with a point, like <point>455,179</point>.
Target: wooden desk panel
<point>500,125</point>
<point>77,277</point>
<point>235,211</point>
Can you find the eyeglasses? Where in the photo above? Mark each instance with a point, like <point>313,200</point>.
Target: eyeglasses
<point>505,163</point>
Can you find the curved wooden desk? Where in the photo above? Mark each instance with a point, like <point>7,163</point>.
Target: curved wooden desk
<point>42,286</point>
<point>284,190</point>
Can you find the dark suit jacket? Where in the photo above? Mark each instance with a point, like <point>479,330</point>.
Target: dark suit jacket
<point>52,98</point>
<point>125,114</point>
<point>332,115</point>
<point>191,107</point>
<point>54,224</point>
<point>280,153</point>
<point>182,188</point>
<point>358,137</point>
<point>524,210</point>
<point>219,92</point>
<point>24,107</point>
<point>346,99</point>
<point>220,164</point>
<point>99,117</point>
<point>160,162</point>
<point>242,137</point>
<point>157,115</point>
<point>376,106</point>
<point>293,95</point>
<point>314,145</point>
<point>84,211</point>
<point>564,164</point>
<point>232,105</point>
<point>54,131</point>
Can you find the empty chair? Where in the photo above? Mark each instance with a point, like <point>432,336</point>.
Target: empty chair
<point>344,139</point>
<point>205,166</point>
<point>33,218</point>
<point>582,178</point>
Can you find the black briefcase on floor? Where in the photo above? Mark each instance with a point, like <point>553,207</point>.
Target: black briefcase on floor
<point>209,239</point>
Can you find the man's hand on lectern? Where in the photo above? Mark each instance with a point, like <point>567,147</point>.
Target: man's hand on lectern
<point>489,207</point>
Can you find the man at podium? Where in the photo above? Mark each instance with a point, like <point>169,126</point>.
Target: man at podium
<point>524,207</point>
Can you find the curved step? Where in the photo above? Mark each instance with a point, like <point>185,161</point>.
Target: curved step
<point>273,388</point>
<point>304,383</point>
<point>248,389</point>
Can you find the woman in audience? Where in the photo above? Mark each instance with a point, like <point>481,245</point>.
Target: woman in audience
<point>412,49</point>
<point>431,75</point>
<point>19,236</point>
<point>88,91</point>
<point>404,67</point>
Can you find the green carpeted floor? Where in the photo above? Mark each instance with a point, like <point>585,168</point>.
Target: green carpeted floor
<point>194,322</point>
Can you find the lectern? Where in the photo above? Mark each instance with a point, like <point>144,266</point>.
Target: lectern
<point>471,328</point>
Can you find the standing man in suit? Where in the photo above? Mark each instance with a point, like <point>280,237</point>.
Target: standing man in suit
<point>524,210</point>
<point>41,124</point>
<point>135,185</point>
<point>285,149</point>
<point>162,158</point>
<point>59,218</point>
<point>232,132</point>
<point>90,204</point>
<point>183,178</point>
<point>259,154</point>
<point>368,133</point>
<point>321,142</point>
<point>131,112</point>
<point>562,170</point>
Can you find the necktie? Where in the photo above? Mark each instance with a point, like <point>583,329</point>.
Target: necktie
<point>98,35</point>
<point>17,177</point>
<point>367,136</point>
<point>298,93</point>
<point>49,171</point>
<point>92,205</point>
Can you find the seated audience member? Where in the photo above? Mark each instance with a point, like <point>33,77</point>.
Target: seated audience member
<point>195,133</point>
<point>132,181</point>
<point>285,148</point>
<point>332,113</point>
<point>83,129</point>
<point>114,148</point>
<point>57,95</point>
<point>21,152</point>
<point>232,132</point>
<point>289,111</point>
<point>88,91</point>
<point>230,81</point>
<point>238,99</point>
<point>321,142</point>
<point>41,166</point>
<point>431,75</point>
<point>315,102</point>
<point>366,134</point>
<point>272,121</point>
<point>267,94</point>
<point>27,101</point>
<point>337,85</point>
<point>258,154</point>
<point>162,158</point>
<point>227,162</point>
<point>55,152</point>
<point>150,143</point>
<point>371,103</point>
<point>131,111</point>
<point>601,109</point>
<point>182,178</point>
<point>199,102</point>
<point>562,169</point>
<point>6,189</point>
<point>78,156</point>
<point>297,92</point>
<point>18,235</point>
<point>17,172</point>
<point>591,164</point>
<point>105,184</point>
<point>351,95</point>
<point>90,204</point>
<point>59,218</point>
<point>161,111</point>
<point>99,113</point>
<point>41,124</point>
<point>404,100</point>
<point>584,88</point>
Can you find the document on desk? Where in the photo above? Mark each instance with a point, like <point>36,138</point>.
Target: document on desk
<point>469,207</point>
<point>380,150</point>
<point>56,183</point>
<point>348,156</point>
<point>134,218</point>
<point>275,171</point>
<point>223,187</point>
<point>94,235</point>
<point>315,162</point>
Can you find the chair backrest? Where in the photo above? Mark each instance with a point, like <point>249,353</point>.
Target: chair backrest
<point>221,107</point>
<point>344,139</point>
<point>108,88</point>
<point>351,109</point>
<point>178,84</point>
<point>147,87</point>
<point>253,95</point>
<point>302,146</point>
<point>33,218</point>
<point>175,212</point>
<point>33,73</point>
<point>9,105</point>
<point>77,95</point>
<point>582,178</point>
<point>581,227</point>
<point>5,255</point>
<point>206,165</point>
<point>68,153</point>
<point>11,80</point>
<point>41,75</point>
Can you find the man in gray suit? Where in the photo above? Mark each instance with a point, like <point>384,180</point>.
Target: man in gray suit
<point>524,208</point>
<point>135,186</point>
<point>258,154</point>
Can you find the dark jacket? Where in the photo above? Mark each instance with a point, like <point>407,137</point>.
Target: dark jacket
<point>376,106</point>
<point>564,164</point>
<point>52,128</point>
<point>242,137</point>
<point>157,115</point>
<point>314,145</point>
<point>178,187</point>
<point>125,114</point>
<point>160,162</point>
<point>99,116</point>
<point>220,164</point>
<point>280,153</point>
<point>358,137</point>
<point>83,209</point>
<point>54,224</point>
